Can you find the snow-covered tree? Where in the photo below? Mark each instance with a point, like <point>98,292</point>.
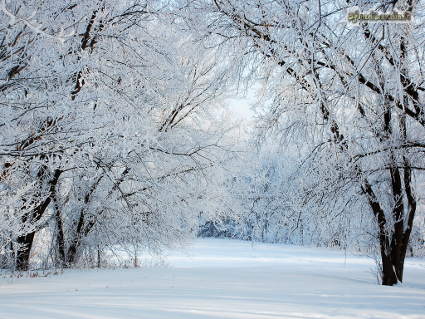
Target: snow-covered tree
<point>351,95</point>
<point>107,131</point>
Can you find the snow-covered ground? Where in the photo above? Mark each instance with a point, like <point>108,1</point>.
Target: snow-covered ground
<point>222,279</point>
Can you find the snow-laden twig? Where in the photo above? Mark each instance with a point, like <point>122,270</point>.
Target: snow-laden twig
<point>35,26</point>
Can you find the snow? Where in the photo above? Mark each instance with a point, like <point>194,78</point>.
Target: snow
<point>222,279</point>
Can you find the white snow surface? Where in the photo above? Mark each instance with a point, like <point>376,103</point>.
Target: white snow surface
<point>216,278</point>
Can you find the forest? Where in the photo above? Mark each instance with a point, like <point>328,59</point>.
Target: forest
<point>117,135</point>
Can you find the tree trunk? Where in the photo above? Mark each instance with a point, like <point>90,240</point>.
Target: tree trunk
<point>26,241</point>
<point>23,254</point>
<point>393,264</point>
<point>60,238</point>
<point>71,256</point>
<point>98,257</point>
<point>388,274</point>
<point>83,228</point>
<point>393,252</point>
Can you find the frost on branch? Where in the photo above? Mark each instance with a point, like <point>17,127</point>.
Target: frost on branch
<point>31,22</point>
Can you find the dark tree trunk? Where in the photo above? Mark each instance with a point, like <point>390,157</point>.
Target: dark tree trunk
<point>85,225</point>
<point>98,257</point>
<point>26,241</point>
<point>392,271</point>
<point>23,254</point>
<point>392,252</point>
<point>83,229</point>
<point>393,263</point>
<point>60,235</point>
<point>60,238</point>
<point>394,243</point>
<point>75,244</point>
<point>389,276</point>
<point>72,254</point>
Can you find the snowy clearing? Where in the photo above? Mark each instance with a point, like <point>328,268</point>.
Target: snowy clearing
<point>222,279</point>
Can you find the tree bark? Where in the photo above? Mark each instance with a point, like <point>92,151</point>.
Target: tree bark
<point>75,244</point>
<point>389,276</point>
<point>23,254</point>
<point>60,237</point>
<point>26,241</point>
